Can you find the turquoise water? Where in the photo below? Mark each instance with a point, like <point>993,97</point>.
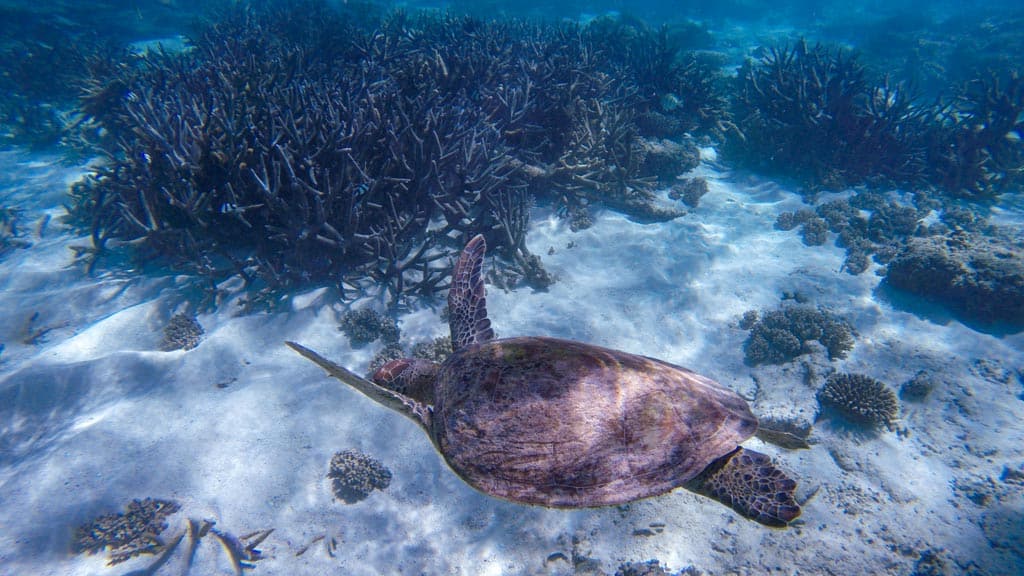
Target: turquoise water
<point>818,206</point>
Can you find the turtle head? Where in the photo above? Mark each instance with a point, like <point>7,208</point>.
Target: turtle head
<point>410,377</point>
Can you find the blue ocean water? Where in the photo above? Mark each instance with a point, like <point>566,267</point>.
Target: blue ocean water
<point>816,205</point>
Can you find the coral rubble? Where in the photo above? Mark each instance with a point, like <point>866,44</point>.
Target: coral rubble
<point>127,534</point>
<point>182,332</point>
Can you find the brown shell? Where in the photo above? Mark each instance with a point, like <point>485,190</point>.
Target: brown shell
<point>562,423</point>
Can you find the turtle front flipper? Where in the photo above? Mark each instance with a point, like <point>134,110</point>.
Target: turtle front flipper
<point>467,302</point>
<point>414,409</point>
<point>751,484</point>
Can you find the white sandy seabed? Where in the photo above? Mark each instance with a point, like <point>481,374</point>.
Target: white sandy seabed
<point>240,430</point>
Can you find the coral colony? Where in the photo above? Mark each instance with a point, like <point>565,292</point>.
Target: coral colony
<point>307,145</point>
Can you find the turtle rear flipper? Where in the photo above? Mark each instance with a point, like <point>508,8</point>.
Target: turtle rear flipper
<point>751,484</point>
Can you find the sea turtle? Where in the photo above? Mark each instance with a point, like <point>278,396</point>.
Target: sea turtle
<point>566,424</point>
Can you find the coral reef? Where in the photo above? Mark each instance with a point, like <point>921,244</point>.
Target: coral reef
<point>182,332</point>
<point>980,278</point>
<point>299,145</point>
<point>860,400</point>
<point>799,97</point>
<point>355,475</point>
<point>802,97</point>
<point>977,149</point>
<point>365,326</point>
<point>779,336</point>
<point>868,224</point>
<point>126,534</point>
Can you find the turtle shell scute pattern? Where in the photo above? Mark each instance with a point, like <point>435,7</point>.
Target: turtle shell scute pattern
<point>566,424</point>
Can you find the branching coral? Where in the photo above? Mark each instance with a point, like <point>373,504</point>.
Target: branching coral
<point>860,399</point>
<point>977,149</point>
<point>867,224</point>
<point>800,98</point>
<point>341,154</point>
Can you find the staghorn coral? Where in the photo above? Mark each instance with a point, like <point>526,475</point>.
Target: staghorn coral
<point>860,399</point>
<point>297,146</point>
<point>976,150</point>
<point>781,335</point>
<point>355,475</point>
<point>182,332</point>
<point>802,97</point>
<point>126,534</point>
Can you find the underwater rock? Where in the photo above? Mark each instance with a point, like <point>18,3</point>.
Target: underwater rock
<point>653,568</point>
<point>860,399</point>
<point>917,388</point>
<point>365,326</point>
<point>977,277</point>
<point>355,475</point>
<point>666,159</point>
<point>183,332</point>
<point>126,535</point>
<point>690,191</point>
<point>781,335</point>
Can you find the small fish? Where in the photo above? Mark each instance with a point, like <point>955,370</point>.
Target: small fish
<point>670,102</point>
<point>1013,136</point>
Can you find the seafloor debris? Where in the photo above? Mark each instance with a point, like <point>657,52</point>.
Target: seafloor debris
<point>183,332</point>
<point>860,399</point>
<point>354,475</point>
<point>781,335</point>
<point>128,534</point>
